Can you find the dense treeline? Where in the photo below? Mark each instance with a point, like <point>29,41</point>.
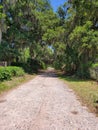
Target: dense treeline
<point>24,24</point>
<point>33,35</point>
<point>79,18</point>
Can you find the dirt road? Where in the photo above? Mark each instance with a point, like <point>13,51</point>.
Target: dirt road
<point>44,103</point>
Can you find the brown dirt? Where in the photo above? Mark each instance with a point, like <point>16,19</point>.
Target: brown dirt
<point>44,103</point>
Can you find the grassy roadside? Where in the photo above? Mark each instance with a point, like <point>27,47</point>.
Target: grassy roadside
<point>86,90</point>
<point>16,81</point>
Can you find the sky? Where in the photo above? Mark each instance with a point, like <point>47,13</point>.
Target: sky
<point>56,3</point>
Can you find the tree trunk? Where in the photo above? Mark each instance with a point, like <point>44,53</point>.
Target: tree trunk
<point>0,34</point>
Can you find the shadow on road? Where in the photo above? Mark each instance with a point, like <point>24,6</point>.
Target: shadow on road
<point>50,72</point>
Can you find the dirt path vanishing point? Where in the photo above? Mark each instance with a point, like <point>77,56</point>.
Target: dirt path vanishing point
<point>44,103</point>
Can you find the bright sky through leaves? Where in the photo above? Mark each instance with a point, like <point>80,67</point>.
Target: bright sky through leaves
<point>56,3</point>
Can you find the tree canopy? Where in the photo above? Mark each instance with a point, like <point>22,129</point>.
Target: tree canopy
<point>67,39</point>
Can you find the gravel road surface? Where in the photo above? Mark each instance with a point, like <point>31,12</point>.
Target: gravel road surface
<point>44,103</point>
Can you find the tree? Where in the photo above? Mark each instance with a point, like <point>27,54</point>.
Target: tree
<point>81,35</point>
<point>25,28</point>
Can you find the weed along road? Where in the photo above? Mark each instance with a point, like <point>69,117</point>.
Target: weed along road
<point>44,103</point>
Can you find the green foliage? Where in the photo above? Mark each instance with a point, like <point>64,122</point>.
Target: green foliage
<point>94,65</point>
<point>7,52</point>
<point>6,73</point>
<point>2,15</point>
<point>27,28</point>
<point>83,71</point>
<point>34,65</point>
<point>80,36</point>
<point>16,71</point>
<point>32,26</point>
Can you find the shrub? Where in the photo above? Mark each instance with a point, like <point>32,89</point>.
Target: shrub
<point>16,71</point>
<point>6,73</point>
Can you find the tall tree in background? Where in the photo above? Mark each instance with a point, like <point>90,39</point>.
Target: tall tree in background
<point>24,27</point>
<point>81,35</point>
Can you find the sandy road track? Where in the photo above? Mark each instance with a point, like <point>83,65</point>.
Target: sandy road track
<point>44,103</point>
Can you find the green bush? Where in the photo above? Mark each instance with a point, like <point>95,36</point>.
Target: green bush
<point>16,71</point>
<point>6,73</point>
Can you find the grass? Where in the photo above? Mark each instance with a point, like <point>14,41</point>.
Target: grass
<point>86,90</point>
<point>16,81</point>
